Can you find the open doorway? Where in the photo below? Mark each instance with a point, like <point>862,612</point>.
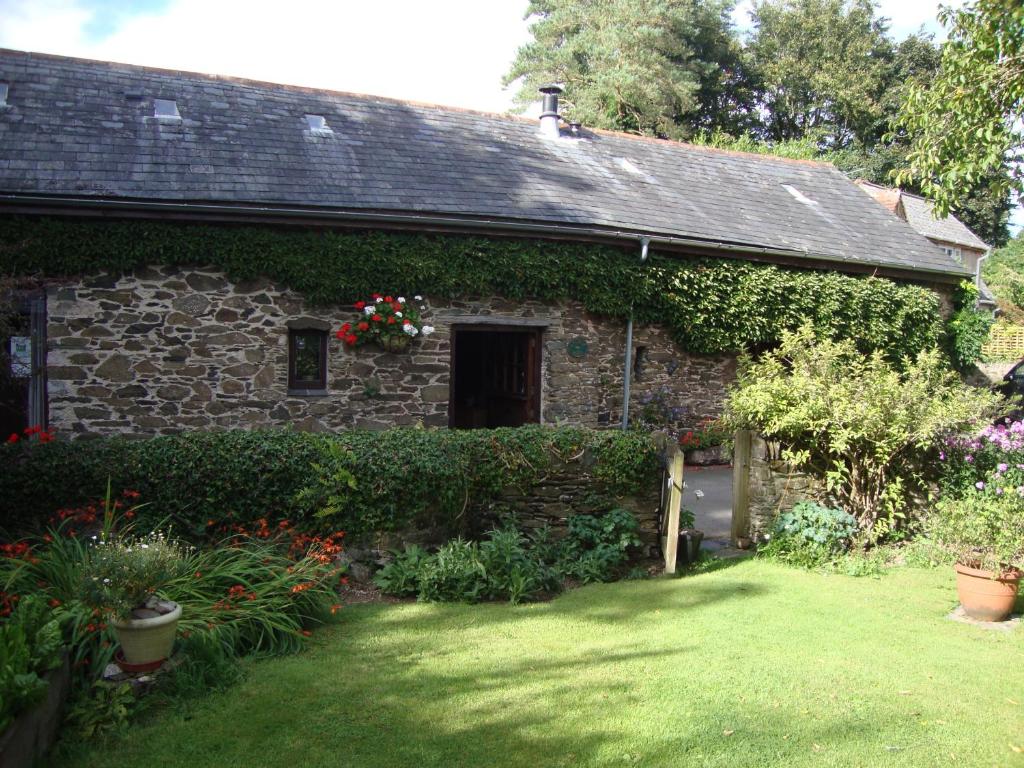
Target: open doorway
<point>495,377</point>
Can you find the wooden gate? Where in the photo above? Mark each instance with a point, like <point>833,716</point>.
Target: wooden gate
<point>671,504</point>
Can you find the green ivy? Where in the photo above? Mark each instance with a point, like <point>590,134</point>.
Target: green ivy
<point>400,478</point>
<point>708,305</point>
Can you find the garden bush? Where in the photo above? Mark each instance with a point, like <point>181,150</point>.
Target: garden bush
<point>507,565</point>
<point>30,646</point>
<point>810,535</point>
<point>862,424</point>
<point>364,481</point>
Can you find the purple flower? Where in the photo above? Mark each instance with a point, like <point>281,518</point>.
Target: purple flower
<point>979,485</point>
<point>968,458</point>
<point>999,491</point>
<point>1002,468</point>
<point>942,455</point>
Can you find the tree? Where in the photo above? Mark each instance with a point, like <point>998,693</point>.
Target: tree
<point>821,69</point>
<point>965,126</point>
<point>654,67</point>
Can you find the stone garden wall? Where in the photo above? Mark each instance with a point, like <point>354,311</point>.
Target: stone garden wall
<point>775,487</point>
<point>168,349</point>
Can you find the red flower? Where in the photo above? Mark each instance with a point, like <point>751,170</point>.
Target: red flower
<point>392,320</point>
<point>46,437</point>
<point>54,602</point>
<point>29,431</point>
<point>346,327</point>
<point>130,494</point>
<point>364,326</point>
<point>388,299</point>
<point>376,318</point>
<point>360,305</point>
<point>306,633</point>
<point>351,339</point>
<point>339,334</point>
<point>13,438</point>
<point>397,307</point>
<point>375,296</point>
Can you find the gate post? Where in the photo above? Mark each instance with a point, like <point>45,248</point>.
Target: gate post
<point>741,486</point>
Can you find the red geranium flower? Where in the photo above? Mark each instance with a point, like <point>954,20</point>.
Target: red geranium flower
<point>388,299</point>
<point>346,327</point>
<point>340,334</point>
<point>364,326</point>
<point>13,438</point>
<point>396,306</point>
<point>375,296</point>
<point>351,339</point>
<point>360,305</point>
<point>376,318</point>
<point>392,320</point>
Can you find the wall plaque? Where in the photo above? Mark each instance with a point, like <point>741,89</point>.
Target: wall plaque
<point>578,347</point>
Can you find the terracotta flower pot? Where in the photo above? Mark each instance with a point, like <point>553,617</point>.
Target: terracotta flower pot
<point>144,641</point>
<point>395,343</point>
<point>985,596</point>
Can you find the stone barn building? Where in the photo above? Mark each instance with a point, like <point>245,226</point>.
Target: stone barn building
<point>157,348</point>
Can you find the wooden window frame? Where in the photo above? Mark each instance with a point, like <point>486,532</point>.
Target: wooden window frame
<point>307,386</point>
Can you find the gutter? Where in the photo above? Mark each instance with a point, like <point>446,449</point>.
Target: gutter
<point>627,369</point>
<point>229,212</point>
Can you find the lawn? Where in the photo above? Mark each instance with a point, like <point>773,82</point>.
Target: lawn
<point>750,665</point>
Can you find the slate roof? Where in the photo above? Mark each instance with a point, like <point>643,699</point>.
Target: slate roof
<point>949,229</point>
<point>82,128</point>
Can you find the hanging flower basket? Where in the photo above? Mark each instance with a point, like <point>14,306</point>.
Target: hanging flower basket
<point>389,322</point>
<point>395,343</point>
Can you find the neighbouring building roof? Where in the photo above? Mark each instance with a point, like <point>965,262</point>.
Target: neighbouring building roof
<point>79,129</point>
<point>919,213</point>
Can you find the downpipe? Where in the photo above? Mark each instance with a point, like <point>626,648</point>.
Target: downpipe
<point>645,244</point>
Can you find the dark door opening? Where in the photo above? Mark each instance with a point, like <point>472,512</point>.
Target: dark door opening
<point>495,377</point>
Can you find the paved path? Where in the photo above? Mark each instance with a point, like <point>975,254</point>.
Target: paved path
<point>713,511</point>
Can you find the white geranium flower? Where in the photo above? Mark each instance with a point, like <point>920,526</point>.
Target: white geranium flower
<point>398,314</point>
<point>410,329</point>
<point>418,298</point>
<point>427,330</point>
<point>699,493</point>
<point>400,299</point>
<point>369,310</point>
<point>380,300</point>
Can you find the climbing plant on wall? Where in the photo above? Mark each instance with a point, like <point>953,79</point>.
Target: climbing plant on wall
<point>708,305</point>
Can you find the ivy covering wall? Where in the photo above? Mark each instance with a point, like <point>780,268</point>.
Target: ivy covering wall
<point>709,305</point>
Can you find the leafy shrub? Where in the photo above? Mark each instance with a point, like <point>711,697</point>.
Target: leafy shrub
<point>860,423</point>
<point>513,572</point>
<point>983,530</point>
<point>405,477</point>
<point>968,329</point>
<point>597,547</point>
<point>809,535</point>
<point>401,577</point>
<point>454,574</point>
<point>30,645</point>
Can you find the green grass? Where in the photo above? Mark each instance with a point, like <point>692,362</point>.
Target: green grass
<point>751,665</point>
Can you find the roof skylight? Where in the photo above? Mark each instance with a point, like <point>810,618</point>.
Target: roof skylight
<point>166,109</point>
<point>318,126</point>
<point>798,194</point>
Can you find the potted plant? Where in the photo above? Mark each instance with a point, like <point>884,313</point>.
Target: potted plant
<point>390,322</point>
<point>123,578</point>
<point>985,530</point>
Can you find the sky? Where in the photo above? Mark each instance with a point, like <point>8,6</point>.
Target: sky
<point>451,52</point>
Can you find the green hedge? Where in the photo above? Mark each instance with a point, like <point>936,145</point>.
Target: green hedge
<point>708,305</point>
<point>403,477</point>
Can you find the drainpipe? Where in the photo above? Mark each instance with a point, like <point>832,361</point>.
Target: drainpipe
<point>977,274</point>
<point>645,243</point>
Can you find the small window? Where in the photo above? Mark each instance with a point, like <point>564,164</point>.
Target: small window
<point>318,126</point>
<point>307,360</point>
<point>166,109</point>
<point>955,253</point>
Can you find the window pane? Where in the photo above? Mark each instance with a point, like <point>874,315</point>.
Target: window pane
<point>308,363</point>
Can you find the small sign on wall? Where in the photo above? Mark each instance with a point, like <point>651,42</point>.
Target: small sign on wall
<point>21,356</point>
<point>578,347</point>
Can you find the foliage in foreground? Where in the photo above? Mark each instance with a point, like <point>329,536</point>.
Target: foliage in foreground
<point>858,422</point>
<point>245,596</point>
<point>30,646</point>
<point>810,535</point>
<point>507,565</point>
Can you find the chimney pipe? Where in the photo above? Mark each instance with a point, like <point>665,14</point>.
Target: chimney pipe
<point>549,117</point>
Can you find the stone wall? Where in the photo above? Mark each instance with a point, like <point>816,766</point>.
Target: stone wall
<point>775,487</point>
<point>166,349</point>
